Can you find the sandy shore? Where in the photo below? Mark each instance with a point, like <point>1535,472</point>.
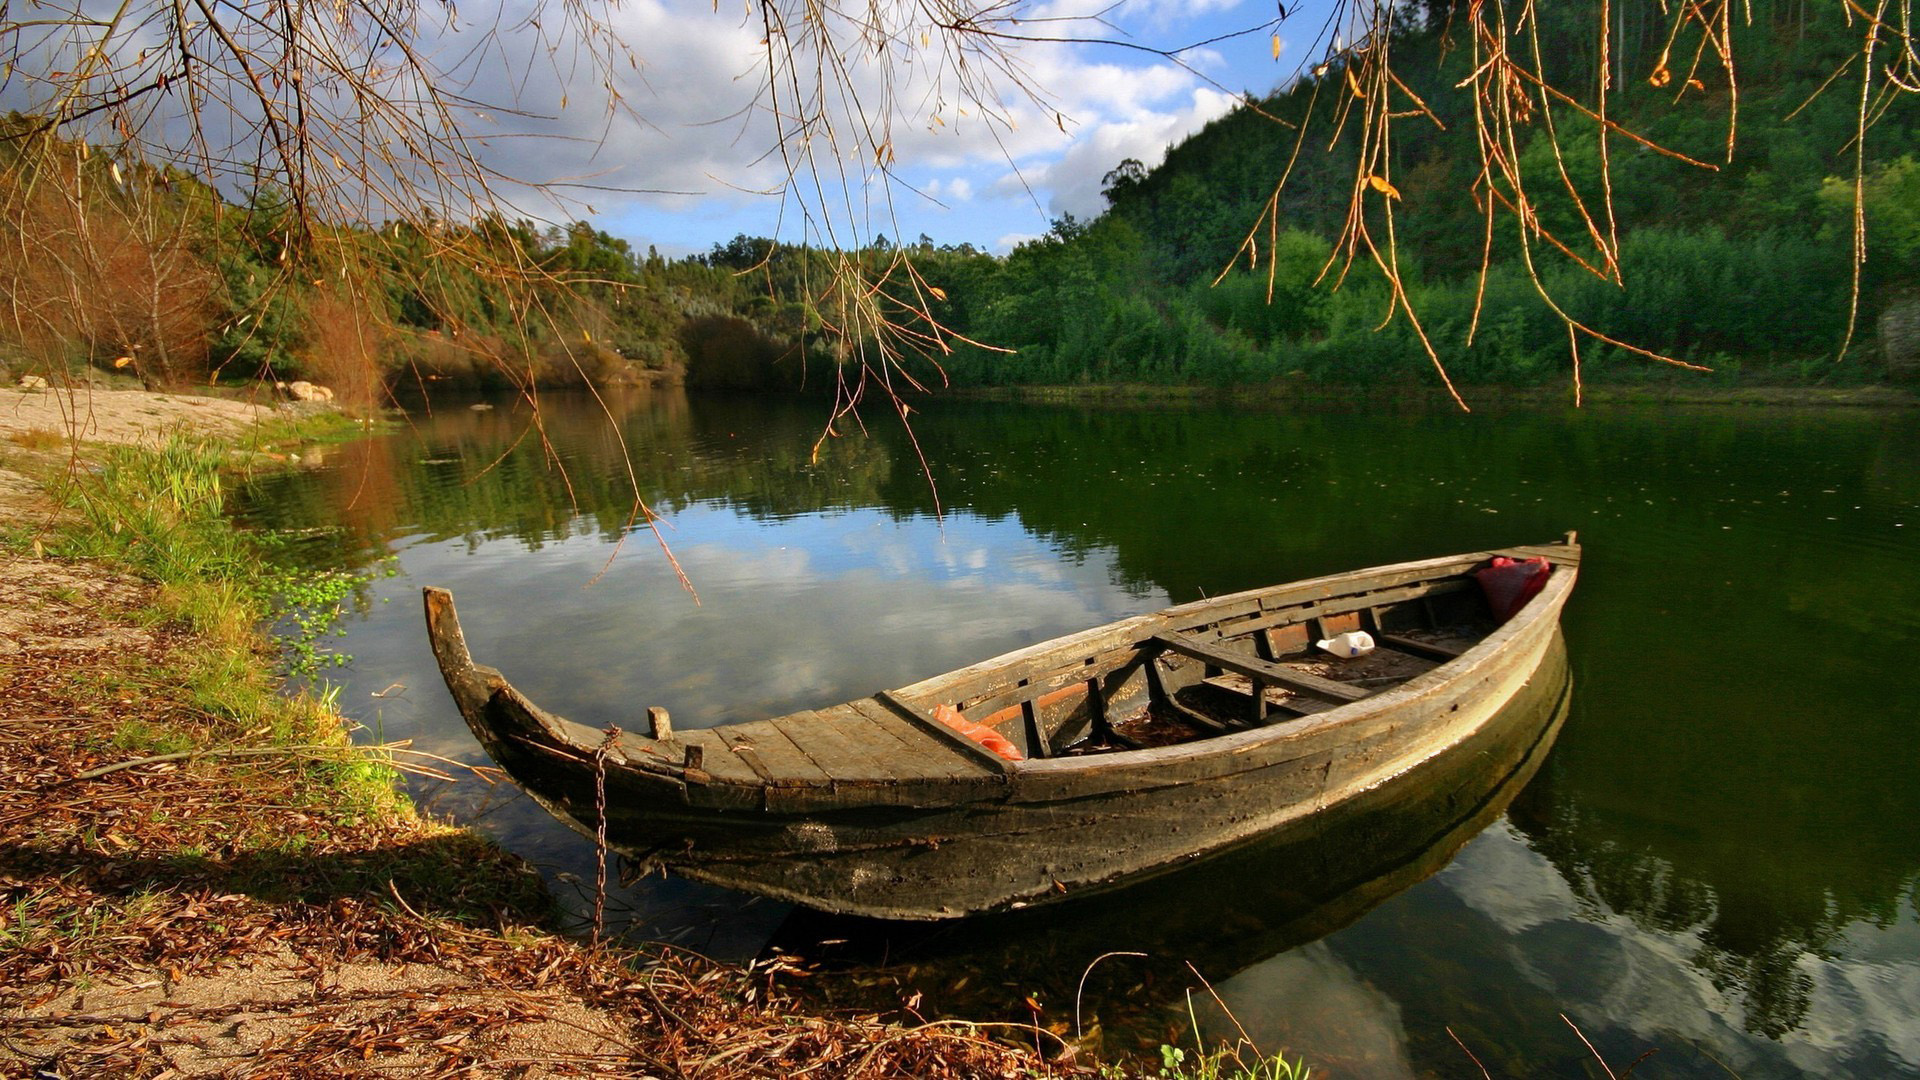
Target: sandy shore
<point>48,421</point>
<point>121,416</point>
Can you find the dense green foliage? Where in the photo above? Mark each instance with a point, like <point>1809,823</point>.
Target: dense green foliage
<point>1745,268</point>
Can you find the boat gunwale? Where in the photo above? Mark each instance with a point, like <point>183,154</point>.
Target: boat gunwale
<point>1171,618</point>
<point>1133,632</point>
<point>1434,680</point>
<point>1139,628</point>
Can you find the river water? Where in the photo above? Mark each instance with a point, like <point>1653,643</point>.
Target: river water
<point>1716,861</point>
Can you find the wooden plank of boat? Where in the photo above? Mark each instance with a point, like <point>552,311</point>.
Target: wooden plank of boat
<point>1321,589</point>
<point>1553,553</point>
<point>875,807</point>
<point>1088,649</point>
<point>845,757</point>
<point>1049,687</point>
<point>879,759</point>
<point>922,735</point>
<point>773,756</point>
<point>1432,649</point>
<point>1260,671</point>
<point>1296,614</point>
<point>717,759</point>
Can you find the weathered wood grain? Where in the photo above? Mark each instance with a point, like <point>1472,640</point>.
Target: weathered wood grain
<point>1261,671</point>
<point>873,807</point>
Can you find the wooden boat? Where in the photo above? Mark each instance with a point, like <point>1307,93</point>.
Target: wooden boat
<point>1143,744</point>
<point>1306,879</point>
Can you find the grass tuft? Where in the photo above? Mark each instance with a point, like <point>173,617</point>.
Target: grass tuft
<point>38,440</point>
<point>1226,1063</point>
<point>139,736</point>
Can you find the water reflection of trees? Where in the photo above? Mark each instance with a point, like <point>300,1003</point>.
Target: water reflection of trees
<point>1756,909</point>
<point>573,469</point>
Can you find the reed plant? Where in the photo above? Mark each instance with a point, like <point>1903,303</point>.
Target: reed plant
<point>158,513</point>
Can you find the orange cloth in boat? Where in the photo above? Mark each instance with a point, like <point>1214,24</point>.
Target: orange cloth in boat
<point>980,733</point>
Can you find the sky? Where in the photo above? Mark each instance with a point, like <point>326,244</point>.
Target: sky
<point>660,128</point>
<point>694,134</point>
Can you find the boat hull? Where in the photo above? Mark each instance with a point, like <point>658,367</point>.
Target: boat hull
<point>913,821</point>
<point>1047,842</point>
<point>1303,881</point>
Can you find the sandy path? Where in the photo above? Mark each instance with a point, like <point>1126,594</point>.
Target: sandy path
<point>30,420</point>
<point>120,416</point>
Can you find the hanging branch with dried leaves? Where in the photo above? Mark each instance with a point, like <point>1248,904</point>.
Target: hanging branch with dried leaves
<point>1512,99</point>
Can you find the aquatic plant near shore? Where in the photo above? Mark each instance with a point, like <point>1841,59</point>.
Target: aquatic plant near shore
<point>307,604</point>
<point>1228,1064</point>
<point>160,513</point>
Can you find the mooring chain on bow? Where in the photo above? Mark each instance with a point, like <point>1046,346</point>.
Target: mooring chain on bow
<point>612,734</point>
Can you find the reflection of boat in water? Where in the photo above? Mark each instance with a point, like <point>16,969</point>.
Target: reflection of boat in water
<point>1222,915</point>
<point>1072,765</point>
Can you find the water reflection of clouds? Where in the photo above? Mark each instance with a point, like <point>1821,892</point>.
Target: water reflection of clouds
<point>1615,975</point>
<point>1358,1030</point>
<point>816,610</point>
<point>1857,1001</point>
<point>1629,989</point>
<point>804,611</point>
<point>801,611</point>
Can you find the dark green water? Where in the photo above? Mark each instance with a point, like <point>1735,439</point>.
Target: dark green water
<point>1718,859</point>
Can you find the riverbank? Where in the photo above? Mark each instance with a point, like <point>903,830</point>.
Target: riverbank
<point>201,876</point>
<point>1477,397</point>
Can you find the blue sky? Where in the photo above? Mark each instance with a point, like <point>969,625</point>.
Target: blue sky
<point>694,139</point>
<point>661,130</point>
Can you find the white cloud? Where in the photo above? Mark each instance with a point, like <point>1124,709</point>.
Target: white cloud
<point>1074,177</point>
<point>698,66</point>
<point>693,140</point>
<point>956,189</point>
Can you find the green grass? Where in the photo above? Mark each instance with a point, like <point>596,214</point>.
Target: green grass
<point>1221,1064</point>
<point>1229,1064</point>
<point>40,916</point>
<point>157,513</point>
<point>160,514</point>
<point>139,736</point>
<point>1241,1061</point>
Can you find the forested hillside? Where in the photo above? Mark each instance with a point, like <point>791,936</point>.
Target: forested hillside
<point>1742,264</point>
